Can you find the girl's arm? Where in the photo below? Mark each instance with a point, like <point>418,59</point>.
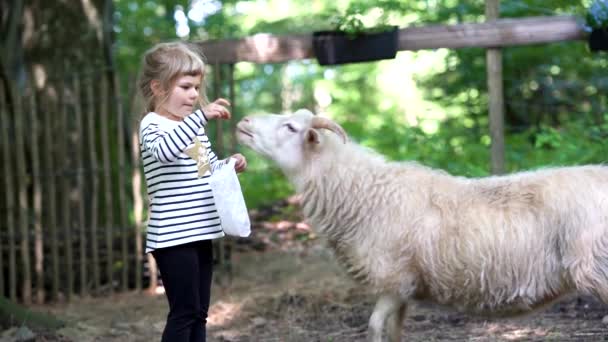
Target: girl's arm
<point>216,109</point>
<point>167,146</point>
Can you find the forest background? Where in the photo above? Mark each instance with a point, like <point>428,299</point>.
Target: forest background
<point>430,106</point>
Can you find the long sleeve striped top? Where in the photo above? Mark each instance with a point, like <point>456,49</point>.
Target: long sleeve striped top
<point>182,208</point>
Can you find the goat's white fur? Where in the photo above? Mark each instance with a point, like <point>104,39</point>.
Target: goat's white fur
<point>501,245</point>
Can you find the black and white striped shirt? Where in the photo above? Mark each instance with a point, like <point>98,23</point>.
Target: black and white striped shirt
<point>182,208</point>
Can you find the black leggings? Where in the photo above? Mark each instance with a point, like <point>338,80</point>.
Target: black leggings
<point>186,272</point>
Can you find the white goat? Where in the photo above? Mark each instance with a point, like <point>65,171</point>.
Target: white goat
<point>497,245</point>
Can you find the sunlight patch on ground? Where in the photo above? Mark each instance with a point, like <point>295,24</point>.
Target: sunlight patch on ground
<point>222,313</point>
<point>524,332</point>
<point>513,332</point>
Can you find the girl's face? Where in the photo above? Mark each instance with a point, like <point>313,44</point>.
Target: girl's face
<point>182,98</point>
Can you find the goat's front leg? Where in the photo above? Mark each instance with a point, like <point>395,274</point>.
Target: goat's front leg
<point>395,323</point>
<point>386,306</point>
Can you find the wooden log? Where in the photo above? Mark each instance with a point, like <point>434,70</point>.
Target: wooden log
<point>9,192</point>
<point>222,247</point>
<point>37,196</point>
<point>496,96</point>
<point>138,207</point>
<point>495,33</point>
<point>94,180</point>
<point>122,196</point>
<point>266,48</point>
<point>219,127</point>
<point>79,156</point>
<point>50,177</point>
<point>64,156</point>
<point>107,182</point>
<point>22,185</point>
<point>229,243</point>
<point>260,48</point>
<point>6,212</point>
<point>232,97</point>
<point>136,182</point>
<point>218,147</point>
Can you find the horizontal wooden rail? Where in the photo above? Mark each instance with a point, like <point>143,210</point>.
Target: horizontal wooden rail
<point>500,33</point>
<point>267,48</point>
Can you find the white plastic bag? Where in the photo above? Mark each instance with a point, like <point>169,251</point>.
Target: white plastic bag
<point>229,200</point>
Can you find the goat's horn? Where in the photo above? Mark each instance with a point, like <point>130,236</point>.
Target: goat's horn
<point>320,122</point>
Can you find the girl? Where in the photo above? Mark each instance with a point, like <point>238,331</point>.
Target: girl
<point>177,158</point>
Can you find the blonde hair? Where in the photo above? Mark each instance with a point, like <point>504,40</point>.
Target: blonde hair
<point>166,62</point>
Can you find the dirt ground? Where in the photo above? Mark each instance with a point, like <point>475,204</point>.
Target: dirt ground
<point>286,286</point>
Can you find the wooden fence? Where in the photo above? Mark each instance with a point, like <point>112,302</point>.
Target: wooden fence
<point>72,209</point>
<point>67,190</point>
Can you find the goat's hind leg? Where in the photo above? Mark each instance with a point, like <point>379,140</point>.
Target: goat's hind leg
<point>591,273</point>
<point>386,306</point>
<point>395,323</point>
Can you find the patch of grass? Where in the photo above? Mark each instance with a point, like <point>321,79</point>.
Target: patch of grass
<point>13,314</point>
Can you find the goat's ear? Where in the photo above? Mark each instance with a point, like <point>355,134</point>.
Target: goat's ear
<point>312,136</point>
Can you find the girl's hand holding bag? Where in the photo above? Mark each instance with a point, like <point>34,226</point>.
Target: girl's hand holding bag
<point>229,200</point>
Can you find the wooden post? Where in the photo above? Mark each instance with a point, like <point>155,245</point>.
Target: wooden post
<point>50,177</point>
<point>232,98</point>
<point>9,192</point>
<point>26,272</point>
<point>217,89</point>
<point>3,133</point>
<point>79,155</point>
<point>37,192</point>
<point>94,174</point>
<point>138,206</point>
<point>66,171</point>
<point>136,181</point>
<point>107,181</point>
<point>122,197</point>
<point>218,147</point>
<point>496,96</point>
<point>229,243</point>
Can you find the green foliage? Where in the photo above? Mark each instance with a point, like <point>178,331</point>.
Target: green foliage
<point>366,17</point>
<point>12,314</point>
<point>575,143</point>
<point>597,15</point>
<point>554,93</point>
<point>138,25</point>
<point>459,152</point>
<point>263,183</point>
<point>548,84</point>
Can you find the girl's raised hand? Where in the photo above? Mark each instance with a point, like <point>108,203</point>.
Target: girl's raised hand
<point>217,109</point>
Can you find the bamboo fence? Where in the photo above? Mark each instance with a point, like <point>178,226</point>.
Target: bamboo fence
<point>59,227</point>
<point>74,204</point>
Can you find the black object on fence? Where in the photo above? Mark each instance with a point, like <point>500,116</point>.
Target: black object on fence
<point>598,40</point>
<point>336,47</point>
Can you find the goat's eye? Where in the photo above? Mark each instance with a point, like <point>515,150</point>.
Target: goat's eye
<point>290,128</point>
